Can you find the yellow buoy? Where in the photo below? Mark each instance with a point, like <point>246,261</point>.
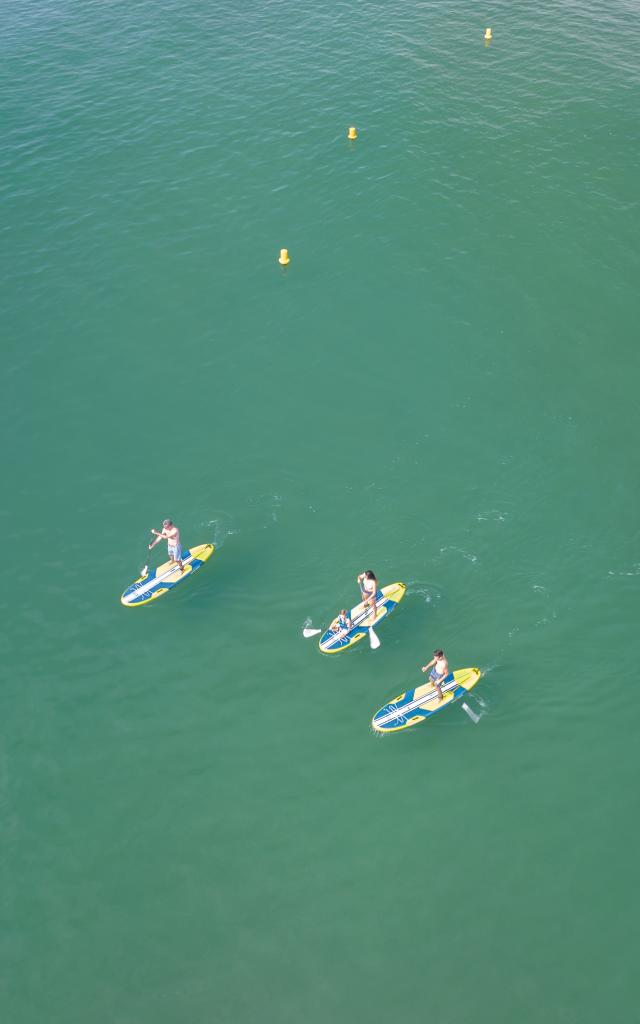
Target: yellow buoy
<point>352,134</point>
<point>284,257</point>
<point>488,35</point>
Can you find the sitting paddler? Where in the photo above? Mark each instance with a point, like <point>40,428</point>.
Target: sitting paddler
<point>439,671</point>
<point>369,589</point>
<point>171,534</point>
<point>342,622</point>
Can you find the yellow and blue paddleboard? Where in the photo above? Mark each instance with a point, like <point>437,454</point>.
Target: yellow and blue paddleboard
<point>417,705</point>
<point>334,640</point>
<point>167,576</point>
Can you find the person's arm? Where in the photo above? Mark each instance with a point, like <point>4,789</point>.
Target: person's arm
<point>425,668</point>
<point>445,672</point>
<point>159,537</point>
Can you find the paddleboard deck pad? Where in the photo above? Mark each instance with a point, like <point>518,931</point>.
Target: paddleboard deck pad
<point>158,581</point>
<point>334,640</point>
<point>417,705</point>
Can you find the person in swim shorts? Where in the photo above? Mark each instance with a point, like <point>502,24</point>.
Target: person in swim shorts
<point>171,534</point>
<point>439,671</point>
<point>369,589</point>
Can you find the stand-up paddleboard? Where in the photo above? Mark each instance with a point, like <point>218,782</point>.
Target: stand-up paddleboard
<point>333,640</point>
<point>158,581</point>
<point>417,705</point>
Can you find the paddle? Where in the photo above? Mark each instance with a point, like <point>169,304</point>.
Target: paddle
<point>145,569</point>
<point>472,715</point>
<point>374,639</point>
<point>306,632</point>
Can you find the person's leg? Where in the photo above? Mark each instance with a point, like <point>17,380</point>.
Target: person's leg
<point>436,684</point>
<point>175,554</point>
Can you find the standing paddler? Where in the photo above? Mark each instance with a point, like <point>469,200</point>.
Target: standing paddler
<point>171,534</point>
<point>439,671</point>
<point>369,589</point>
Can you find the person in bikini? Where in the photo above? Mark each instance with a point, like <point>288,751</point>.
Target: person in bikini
<point>369,589</point>
<point>439,671</point>
<point>171,534</point>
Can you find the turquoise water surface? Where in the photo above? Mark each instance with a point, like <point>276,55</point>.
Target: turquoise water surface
<point>199,823</point>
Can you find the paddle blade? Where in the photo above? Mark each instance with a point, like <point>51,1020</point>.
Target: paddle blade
<point>373,640</point>
<point>310,632</point>
<point>472,715</point>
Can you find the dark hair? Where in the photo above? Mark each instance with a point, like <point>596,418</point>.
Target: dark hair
<point>370,574</point>
<point>439,654</point>
<point>167,522</point>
